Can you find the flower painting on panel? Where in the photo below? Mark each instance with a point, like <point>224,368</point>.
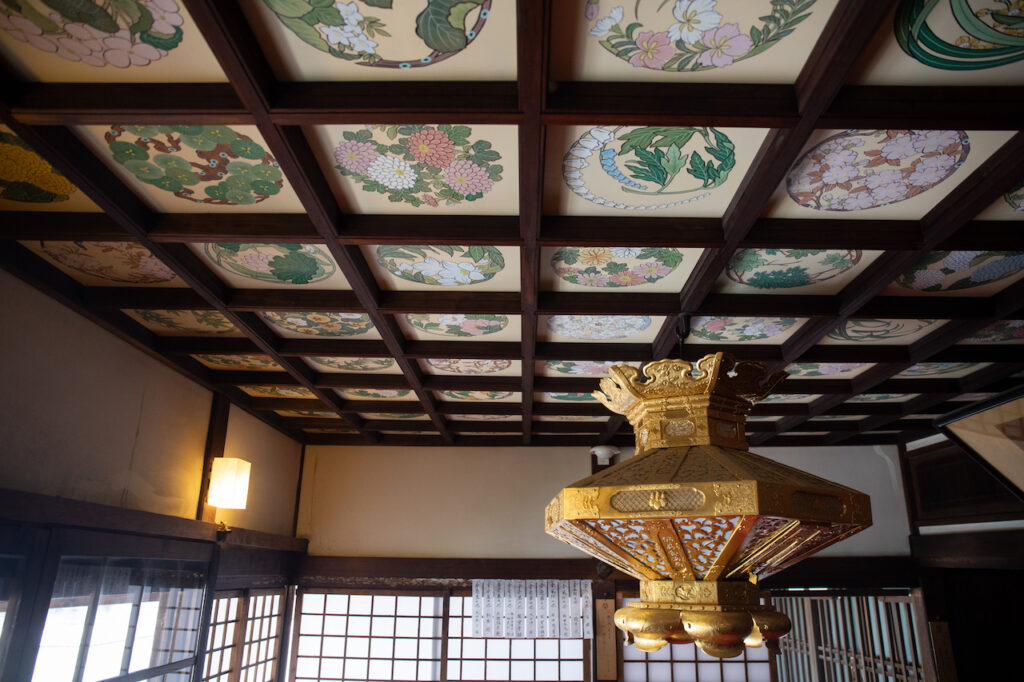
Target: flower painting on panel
<point>691,35</point>
<point>419,165</point>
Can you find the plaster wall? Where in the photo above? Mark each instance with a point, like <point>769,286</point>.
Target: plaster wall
<point>871,469</point>
<point>272,479</point>
<point>84,415</point>
<point>435,502</point>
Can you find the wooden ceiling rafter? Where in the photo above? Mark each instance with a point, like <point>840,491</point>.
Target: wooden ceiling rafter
<point>30,268</point>
<point>271,228</point>
<point>846,34</point>
<point>995,176</point>
<point>72,158</point>
<point>569,103</point>
<point>242,59</point>
<point>819,99</point>
<point>533,19</point>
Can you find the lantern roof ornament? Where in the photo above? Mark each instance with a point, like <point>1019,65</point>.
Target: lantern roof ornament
<point>693,515</point>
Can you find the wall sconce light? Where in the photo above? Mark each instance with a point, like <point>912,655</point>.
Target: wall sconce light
<point>229,483</point>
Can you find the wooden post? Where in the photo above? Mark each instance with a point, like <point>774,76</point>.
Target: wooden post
<point>216,437</point>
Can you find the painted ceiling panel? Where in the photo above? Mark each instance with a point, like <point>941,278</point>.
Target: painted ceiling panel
<point>395,210</point>
<point>133,41</point>
<point>928,44</point>
<point>30,183</point>
<point>460,327</point>
<point>272,266</point>
<point>415,169</point>
<point>107,264</point>
<point>598,328</point>
<point>866,174</point>
<point>422,267</point>
<point>194,168</point>
<point>326,325</point>
<point>469,366</point>
<point>881,331</point>
<point>701,42</point>
<point>649,170</point>
<point>373,41</point>
<point>618,269</point>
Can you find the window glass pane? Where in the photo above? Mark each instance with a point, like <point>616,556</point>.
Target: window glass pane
<point>709,672</point>
<point>262,646</point>
<point>58,648</point>
<point>385,638</point>
<point>572,670</point>
<point>11,569</point>
<point>497,670</point>
<point>510,659</point>
<point>634,672</point>
<point>111,616</point>
<point>660,672</point>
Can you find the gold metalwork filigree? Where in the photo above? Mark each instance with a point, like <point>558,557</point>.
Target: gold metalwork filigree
<point>694,515</point>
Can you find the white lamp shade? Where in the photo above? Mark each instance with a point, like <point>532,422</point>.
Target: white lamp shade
<point>229,483</point>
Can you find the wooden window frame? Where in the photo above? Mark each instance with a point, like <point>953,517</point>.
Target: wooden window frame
<point>827,623</point>
<point>444,594</point>
<point>44,550</point>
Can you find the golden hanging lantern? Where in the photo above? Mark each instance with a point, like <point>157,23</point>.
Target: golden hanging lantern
<point>693,515</point>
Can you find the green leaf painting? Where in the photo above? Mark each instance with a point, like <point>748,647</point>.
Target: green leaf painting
<point>205,164</point>
<point>442,25</point>
<point>345,31</point>
<point>984,38</point>
<point>658,163</point>
<point>768,269</point>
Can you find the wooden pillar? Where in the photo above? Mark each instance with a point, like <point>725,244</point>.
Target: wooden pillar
<point>216,436</point>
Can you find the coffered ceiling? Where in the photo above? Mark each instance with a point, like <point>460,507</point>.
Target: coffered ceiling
<point>439,222</point>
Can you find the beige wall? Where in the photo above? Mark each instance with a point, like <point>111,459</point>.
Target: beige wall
<point>489,502</point>
<point>86,416</point>
<point>272,479</point>
<point>871,469</point>
<point>435,502</point>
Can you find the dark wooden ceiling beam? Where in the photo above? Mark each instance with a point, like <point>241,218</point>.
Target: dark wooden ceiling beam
<point>849,29</point>
<point>494,302</point>
<point>1001,171</point>
<point>255,228</point>
<point>549,303</point>
<point>788,441</point>
<point>431,229</point>
<point>47,104</point>
<point>630,231</point>
<point>455,102</point>
<point>992,379</point>
<point>533,19</point>
<point>273,228</point>
<point>34,271</point>
<point>567,440</point>
<point>631,103</point>
<point>924,107</point>
<point>72,158</point>
<point>242,59</point>
<point>495,102</point>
